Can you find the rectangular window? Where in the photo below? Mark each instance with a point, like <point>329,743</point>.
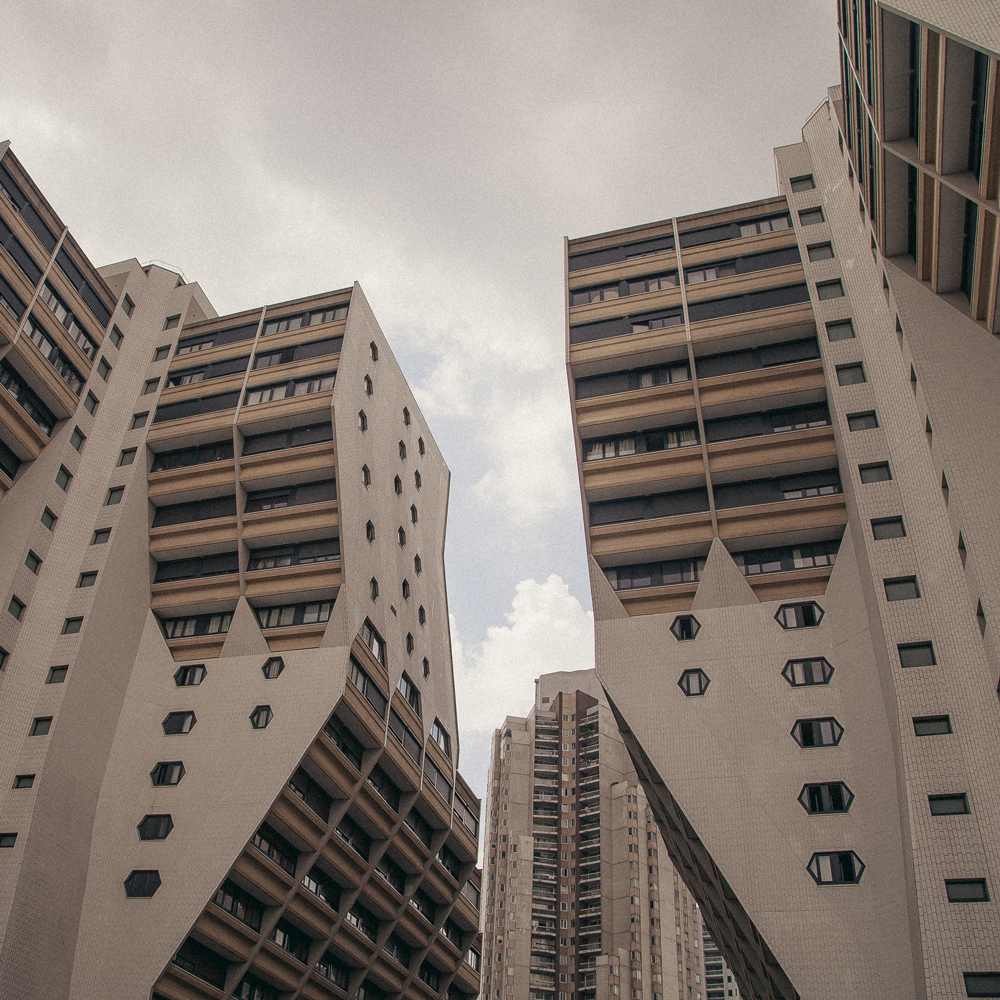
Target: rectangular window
<point>161,353</point>
<point>32,562</point>
<point>41,726</point>
<point>916,654</point>
<point>962,890</point>
<point>820,251</point>
<point>851,374</point>
<point>16,607</point>
<point>57,675</point>
<point>862,421</point>
<point>116,336</point>
<point>803,183</point>
<point>128,306</point>
<point>977,984</point>
<point>138,420</point>
<point>810,216</point>
<point>172,322</point>
<point>948,805</point>
<point>888,527</point>
<point>49,519</point>
<point>152,384</point>
<point>830,290</point>
<point>115,495</point>
<point>91,403</point>
<point>71,626</point>
<point>87,579</point>
<point>103,369</point>
<point>878,472</point>
<point>7,839</point>
<point>24,781</point>
<point>77,438</point>
<point>932,725</point>
<point>63,478</point>
<point>101,535</point>
<point>903,588</point>
<point>127,457</point>
<point>841,329</point>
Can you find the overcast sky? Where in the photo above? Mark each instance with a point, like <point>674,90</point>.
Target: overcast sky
<point>438,153</point>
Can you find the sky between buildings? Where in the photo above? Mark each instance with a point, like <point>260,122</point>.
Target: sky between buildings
<point>438,153</point>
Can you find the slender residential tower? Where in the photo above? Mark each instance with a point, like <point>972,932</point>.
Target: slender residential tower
<point>228,731</point>
<point>579,902</point>
<point>784,412</point>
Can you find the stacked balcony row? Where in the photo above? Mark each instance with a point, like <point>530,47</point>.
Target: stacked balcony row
<point>727,436</point>
<point>360,878</point>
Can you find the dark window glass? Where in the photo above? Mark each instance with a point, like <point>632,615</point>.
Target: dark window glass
<point>178,723</point>
<point>142,884</point>
<point>888,527</point>
<point>829,797</point>
<point>155,827</point>
<point>202,962</point>
<point>423,830</point>
<point>771,298</point>
<point>654,506</point>
<point>948,805</point>
<point>356,838</point>
<point>405,735</point>
<point>217,451</point>
<point>967,890</point>
<point>41,416</point>
<point>199,510</point>
<point>194,407</point>
<point>802,673</point>
<point>851,374</point>
<point>57,675</point>
<point>187,569</point>
<point>385,786</point>
<point>862,421</point>
<point>932,725</point>
<point>820,251</point>
<point>322,887</point>
<point>190,676</point>
<point>276,848</point>
<point>817,732</point>
<point>311,613</point>
<point>311,793</point>
<point>291,496</point>
<point>901,589</point>
<point>841,329</point>
<point>293,438</point>
<point>342,737</point>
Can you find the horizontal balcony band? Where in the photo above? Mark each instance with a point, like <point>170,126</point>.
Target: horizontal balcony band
<point>202,647</point>
<point>792,583</point>
<point>286,522</point>
<point>649,467</point>
<point>283,581</point>
<point>658,600</point>
<point>791,319</point>
<point>785,516</point>
<point>772,449</point>
<point>659,533</point>
<point>287,463</point>
<point>209,593</point>
<point>191,479</point>
<point>761,383</point>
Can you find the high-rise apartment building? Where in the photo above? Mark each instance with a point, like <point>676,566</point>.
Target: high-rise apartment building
<point>579,901</point>
<point>228,732</point>
<point>782,412</point>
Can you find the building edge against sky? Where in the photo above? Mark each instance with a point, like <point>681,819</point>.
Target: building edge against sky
<point>229,734</point>
<point>790,522</point>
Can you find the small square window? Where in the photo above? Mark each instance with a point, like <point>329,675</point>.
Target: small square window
<point>862,421</point>
<point>49,519</point>
<point>57,675</point>
<point>172,322</point>
<point>16,607</point>
<point>138,420</point>
<point>948,805</point>
<point>916,654</point>
<point>127,456</point>
<point>803,183</point>
<point>840,329</point>
<point>115,495</point>
<point>932,725</point>
<point>63,478</point>
<point>877,472</point>
<point>7,839</point>
<point>72,625</point>
<point>820,251</point>
<point>128,306</point>
<point>152,384</point>
<point>851,374</point>
<point>810,216</point>
<point>41,726</point>
<point>888,527</point>
<point>830,290</point>
<point>103,369</point>
<point>101,535</point>
<point>903,588</point>
<point>77,438</point>
<point>24,781</point>
<point>32,562</point>
<point>161,354</point>
<point>116,336</point>
<point>87,579</point>
<point>91,403</point>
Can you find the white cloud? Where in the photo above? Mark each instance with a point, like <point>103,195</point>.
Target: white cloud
<point>547,630</point>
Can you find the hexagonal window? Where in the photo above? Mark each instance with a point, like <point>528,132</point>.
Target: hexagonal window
<point>272,667</point>
<point>836,868</point>
<point>397,485</point>
<point>142,884</point>
<point>828,797</point>
<point>156,827</point>
<point>366,476</point>
<point>806,615</point>
<point>694,682</point>
<point>685,627</point>
<point>370,531</point>
<point>409,642</point>
<point>261,716</point>
<point>190,676</point>
<point>800,673</point>
<point>401,535</point>
<point>178,723</point>
<point>817,732</point>
<point>373,588</point>
<point>167,772</point>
